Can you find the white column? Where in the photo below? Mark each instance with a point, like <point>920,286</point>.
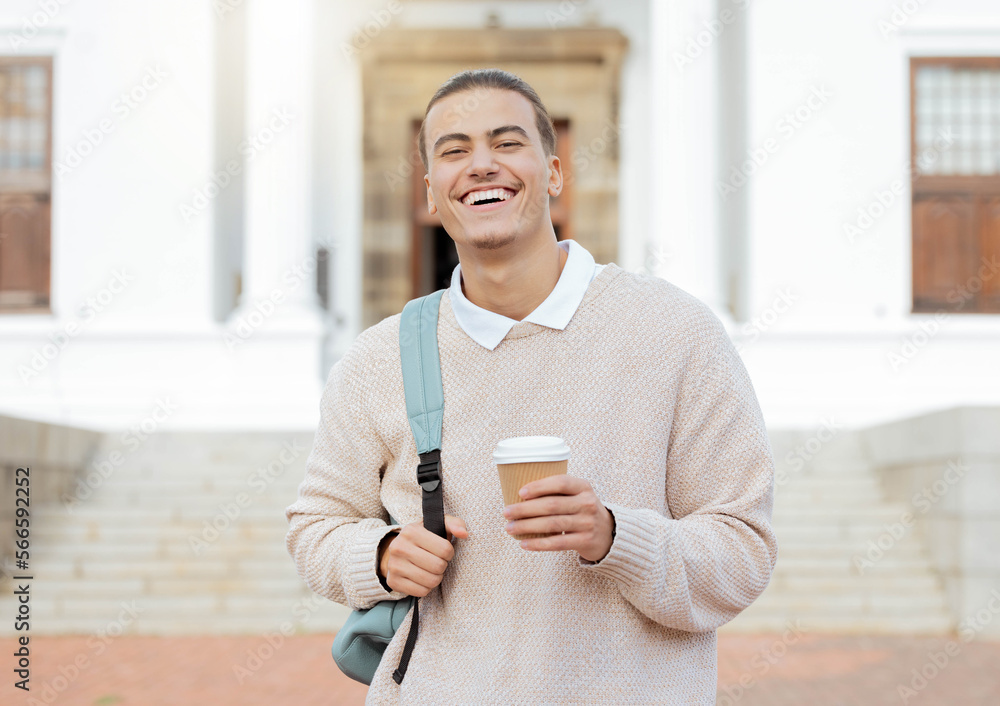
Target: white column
<point>279,257</point>
<point>685,136</point>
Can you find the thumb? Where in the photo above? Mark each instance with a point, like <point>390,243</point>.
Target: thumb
<point>456,526</point>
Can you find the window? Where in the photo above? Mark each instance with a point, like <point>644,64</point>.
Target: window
<point>25,183</point>
<point>955,146</point>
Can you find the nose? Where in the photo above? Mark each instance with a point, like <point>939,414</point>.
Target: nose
<point>482,163</point>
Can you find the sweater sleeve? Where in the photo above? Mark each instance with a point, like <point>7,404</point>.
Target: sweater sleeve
<point>338,520</point>
<point>712,552</point>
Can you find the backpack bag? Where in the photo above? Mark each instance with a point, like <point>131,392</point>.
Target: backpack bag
<point>361,642</point>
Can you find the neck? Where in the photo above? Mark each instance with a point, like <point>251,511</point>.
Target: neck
<point>515,286</point>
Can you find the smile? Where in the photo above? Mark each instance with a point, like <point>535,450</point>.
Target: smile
<point>488,199</point>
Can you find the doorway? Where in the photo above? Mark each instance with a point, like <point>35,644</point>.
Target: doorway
<point>576,71</point>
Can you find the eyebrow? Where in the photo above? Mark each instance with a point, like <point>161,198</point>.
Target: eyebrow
<point>490,134</point>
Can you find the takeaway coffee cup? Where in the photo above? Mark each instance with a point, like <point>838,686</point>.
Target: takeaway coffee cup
<point>527,458</point>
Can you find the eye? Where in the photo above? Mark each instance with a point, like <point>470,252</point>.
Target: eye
<point>445,154</point>
<point>510,144</point>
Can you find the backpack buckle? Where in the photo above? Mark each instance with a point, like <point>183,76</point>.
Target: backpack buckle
<point>429,470</point>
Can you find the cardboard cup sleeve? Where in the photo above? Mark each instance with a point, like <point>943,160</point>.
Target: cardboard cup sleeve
<point>514,476</point>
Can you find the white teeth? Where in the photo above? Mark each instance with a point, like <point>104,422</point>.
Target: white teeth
<point>477,196</point>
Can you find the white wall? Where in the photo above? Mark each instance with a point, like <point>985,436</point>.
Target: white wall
<point>825,354</point>
<point>834,350</point>
<point>131,328</point>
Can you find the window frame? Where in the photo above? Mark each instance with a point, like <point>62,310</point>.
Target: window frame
<point>980,189</point>
<point>36,184</point>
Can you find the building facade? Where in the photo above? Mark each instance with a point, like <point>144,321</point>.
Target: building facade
<point>203,203</point>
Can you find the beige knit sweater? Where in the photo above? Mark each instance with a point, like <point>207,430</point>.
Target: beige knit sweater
<point>661,418</point>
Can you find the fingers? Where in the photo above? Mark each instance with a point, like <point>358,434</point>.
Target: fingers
<point>410,588</point>
<point>413,570</point>
<point>560,484</point>
<point>417,558</point>
<point>551,505</point>
<point>412,580</point>
<point>549,524</point>
<point>418,541</point>
<point>576,519</point>
<point>455,527</point>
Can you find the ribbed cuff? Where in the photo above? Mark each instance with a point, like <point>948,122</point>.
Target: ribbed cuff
<point>366,590</point>
<point>634,550</point>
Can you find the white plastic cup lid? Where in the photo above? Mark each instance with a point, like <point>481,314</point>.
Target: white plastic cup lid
<point>528,449</point>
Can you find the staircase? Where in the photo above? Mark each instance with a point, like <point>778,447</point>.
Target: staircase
<point>846,564</point>
<point>185,536</point>
<point>140,554</point>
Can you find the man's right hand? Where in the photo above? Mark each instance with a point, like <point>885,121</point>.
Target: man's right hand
<point>413,561</point>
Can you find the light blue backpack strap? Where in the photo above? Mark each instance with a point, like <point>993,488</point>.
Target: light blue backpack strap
<point>421,365</point>
<point>418,349</point>
<point>361,642</point>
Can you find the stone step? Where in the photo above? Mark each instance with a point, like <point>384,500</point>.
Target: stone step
<point>857,601</point>
<point>278,587</point>
<point>188,489</point>
<point>249,476</point>
<point>249,481</point>
<point>884,511</point>
<point>827,513</point>
<point>177,626</point>
<point>180,614</point>
<point>203,506</point>
<point>206,606</point>
<point>95,553</point>
<point>846,532</point>
<point>205,445</point>
<point>837,489</point>
<point>835,481</point>
<point>909,625</point>
<point>206,569</point>
<point>805,498</point>
<point>843,531</point>
<point>840,551</point>
<point>146,516</point>
<point>890,562</point>
<point>133,479</point>
<point>844,612</point>
<point>898,585</point>
<point>858,526</point>
<point>286,454</point>
<point>846,467</point>
<point>823,469</point>
<point>47,588</point>
<point>131,537</point>
<point>120,530</point>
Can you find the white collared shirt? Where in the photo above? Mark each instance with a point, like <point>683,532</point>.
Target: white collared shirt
<point>488,328</point>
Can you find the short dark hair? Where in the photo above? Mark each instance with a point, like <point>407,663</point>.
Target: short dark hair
<point>492,79</point>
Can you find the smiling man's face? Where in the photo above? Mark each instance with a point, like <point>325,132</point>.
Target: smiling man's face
<point>490,179</point>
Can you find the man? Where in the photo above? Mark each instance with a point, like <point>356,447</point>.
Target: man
<point>663,520</point>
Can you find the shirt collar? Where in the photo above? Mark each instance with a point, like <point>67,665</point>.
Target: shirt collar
<point>488,328</point>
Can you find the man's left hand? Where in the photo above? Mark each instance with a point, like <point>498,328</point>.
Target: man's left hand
<point>562,504</point>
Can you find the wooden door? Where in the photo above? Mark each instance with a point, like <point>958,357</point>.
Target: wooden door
<point>944,252</point>
<point>24,251</point>
<point>25,183</point>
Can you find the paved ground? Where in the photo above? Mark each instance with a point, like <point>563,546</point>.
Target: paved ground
<point>775,670</point>
<point>812,670</point>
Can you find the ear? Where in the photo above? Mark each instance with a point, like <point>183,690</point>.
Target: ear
<point>555,176</point>
<point>431,208</point>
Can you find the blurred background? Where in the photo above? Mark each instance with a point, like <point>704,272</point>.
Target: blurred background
<point>204,202</point>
